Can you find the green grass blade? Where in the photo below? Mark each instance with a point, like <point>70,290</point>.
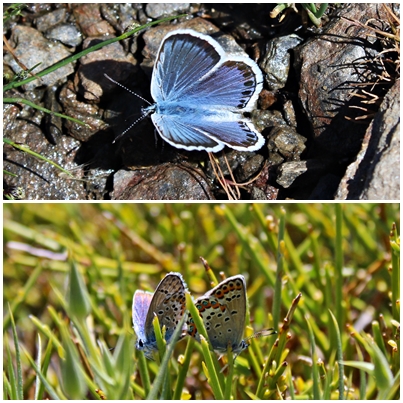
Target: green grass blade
<point>230,375</point>
<point>45,366</point>
<point>21,297</point>
<point>10,379</point>
<point>144,374</point>
<point>48,386</point>
<point>210,369</point>
<point>20,383</point>
<point>280,270</point>
<point>339,266</point>
<point>38,385</point>
<point>314,356</point>
<point>87,51</point>
<point>163,369</point>
<point>395,275</point>
<point>183,369</point>
<point>42,109</point>
<point>339,352</point>
<point>26,149</point>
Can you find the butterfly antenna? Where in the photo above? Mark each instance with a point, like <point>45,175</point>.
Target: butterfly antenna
<point>127,89</point>
<point>131,126</point>
<point>138,96</point>
<point>266,332</point>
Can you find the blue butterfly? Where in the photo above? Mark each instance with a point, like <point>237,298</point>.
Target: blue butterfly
<point>201,93</point>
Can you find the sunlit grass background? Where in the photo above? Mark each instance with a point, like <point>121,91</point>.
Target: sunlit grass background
<point>70,271</point>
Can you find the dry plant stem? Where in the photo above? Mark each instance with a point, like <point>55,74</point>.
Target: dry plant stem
<point>220,177</point>
<point>226,184</point>
<point>11,50</point>
<point>250,181</point>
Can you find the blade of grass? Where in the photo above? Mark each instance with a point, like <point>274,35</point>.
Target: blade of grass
<point>144,374</point>
<point>88,50</point>
<point>49,333</point>
<point>230,374</point>
<point>395,275</point>
<point>10,379</point>
<point>161,344</point>
<point>210,370</point>
<point>52,393</point>
<point>339,350</point>
<point>39,156</point>
<point>163,369</point>
<point>123,365</point>
<point>40,108</point>
<point>38,363</point>
<point>394,391</point>
<point>265,222</point>
<point>21,296</point>
<point>382,372</point>
<point>275,358</point>
<point>9,173</point>
<point>378,337</point>
<point>20,383</point>
<point>339,265</point>
<point>363,380</point>
<point>280,270</point>
<point>327,389</point>
<point>12,11</point>
<point>246,242</point>
<point>315,373</point>
<point>45,366</point>
<point>290,384</point>
<point>183,370</point>
<point>72,383</point>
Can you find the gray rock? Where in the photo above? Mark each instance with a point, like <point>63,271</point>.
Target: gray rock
<point>332,67</point>
<point>111,60</point>
<point>158,10</point>
<point>276,61</point>
<point>287,142</point>
<point>289,171</point>
<point>257,194</point>
<point>32,48</point>
<point>65,33</point>
<point>38,179</point>
<point>375,174</point>
<point>49,20</point>
<point>163,182</point>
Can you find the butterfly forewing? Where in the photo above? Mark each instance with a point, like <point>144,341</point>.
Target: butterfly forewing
<point>141,304</point>
<point>182,60</point>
